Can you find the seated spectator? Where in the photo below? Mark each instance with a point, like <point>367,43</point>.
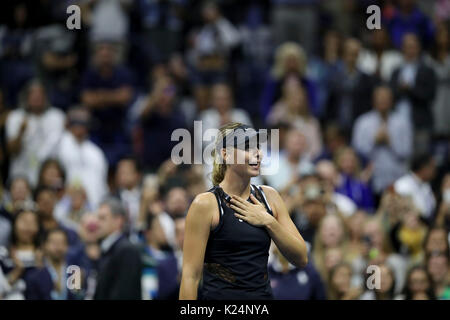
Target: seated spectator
<point>50,281</point>
<point>45,199</point>
<point>436,241</point>
<point>350,90</point>
<point>384,138</point>
<point>416,184</point>
<point>169,269</point>
<point>53,176</point>
<point>437,265</point>
<point>386,291</point>
<point>290,60</point>
<point>120,265</point>
<point>339,284</point>
<point>71,208</point>
<point>83,161</point>
<point>409,18</point>
<point>23,255</point>
<point>408,235</point>
<point>17,197</point>
<point>379,60</point>
<point>414,87</point>
<point>377,250</point>
<point>33,131</point>
<point>293,109</point>
<point>128,184</point>
<point>418,285</point>
<point>355,225</point>
<point>331,233</point>
<point>107,92</point>
<point>291,283</point>
<point>351,182</point>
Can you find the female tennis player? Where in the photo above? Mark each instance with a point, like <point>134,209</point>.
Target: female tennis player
<point>229,228</point>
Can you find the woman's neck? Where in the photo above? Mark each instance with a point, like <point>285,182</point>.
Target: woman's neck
<point>234,184</point>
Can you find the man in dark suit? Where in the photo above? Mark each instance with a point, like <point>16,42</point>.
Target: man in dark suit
<point>414,86</point>
<point>120,267</point>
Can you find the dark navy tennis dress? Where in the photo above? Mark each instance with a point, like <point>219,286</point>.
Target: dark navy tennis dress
<point>236,255</point>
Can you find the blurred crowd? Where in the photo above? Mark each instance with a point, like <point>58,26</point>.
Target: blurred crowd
<point>86,119</point>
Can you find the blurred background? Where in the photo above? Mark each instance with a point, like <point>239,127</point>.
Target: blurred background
<point>364,120</point>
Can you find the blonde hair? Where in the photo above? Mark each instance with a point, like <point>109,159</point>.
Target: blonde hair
<point>284,51</point>
<point>219,167</point>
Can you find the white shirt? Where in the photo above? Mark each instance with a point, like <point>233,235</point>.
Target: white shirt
<point>389,61</point>
<point>84,163</point>
<point>39,141</point>
<point>419,191</point>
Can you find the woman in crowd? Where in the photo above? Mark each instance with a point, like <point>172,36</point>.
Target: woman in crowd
<point>419,285</point>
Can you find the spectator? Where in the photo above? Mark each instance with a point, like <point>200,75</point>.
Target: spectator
<point>340,287</point>
<point>18,198</point>
<point>379,60</point>
<point>439,61</point>
<point>23,255</point>
<point>128,184</point>
<point>293,109</point>
<point>53,176</point>
<point>352,183</point>
<point>169,269</point>
<point>33,132</point>
<point>45,199</point>
<point>408,18</point>
<point>70,209</point>
<point>387,286</point>
<point>416,184</point>
<point>292,160</point>
<point>120,268</point>
<point>385,138</point>
<point>436,241</point>
<point>414,87</point>
<point>291,283</point>
<point>4,155</point>
<point>212,48</point>
<point>290,60</point>
<point>438,268</point>
<point>50,281</point>
<point>419,285</point>
<point>158,118</point>
<point>329,174</point>
<point>84,162</point>
<point>107,92</point>
<point>156,251</point>
<point>296,21</point>
<point>350,89</point>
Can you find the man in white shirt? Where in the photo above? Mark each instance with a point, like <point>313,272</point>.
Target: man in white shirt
<point>32,132</point>
<point>83,161</point>
<point>416,184</point>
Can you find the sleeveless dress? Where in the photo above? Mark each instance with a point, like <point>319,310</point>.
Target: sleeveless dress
<point>235,266</point>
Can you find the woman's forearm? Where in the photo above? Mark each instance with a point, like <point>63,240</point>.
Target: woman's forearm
<point>293,248</point>
<point>189,288</point>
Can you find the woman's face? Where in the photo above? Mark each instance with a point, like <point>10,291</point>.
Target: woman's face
<point>437,241</point>
<point>438,267</point>
<point>418,281</point>
<point>348,162</point>
<point>52,176</point>
<point>26,227</point>
<point>341,279</point>
<point>244,162</point>
<point>19,190</point>
<point>331,232</point>
<point>356,222</point>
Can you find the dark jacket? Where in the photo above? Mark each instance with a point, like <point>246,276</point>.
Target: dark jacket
<point>119,273</point>
<point>420,96</point>
<point>40,286</point>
